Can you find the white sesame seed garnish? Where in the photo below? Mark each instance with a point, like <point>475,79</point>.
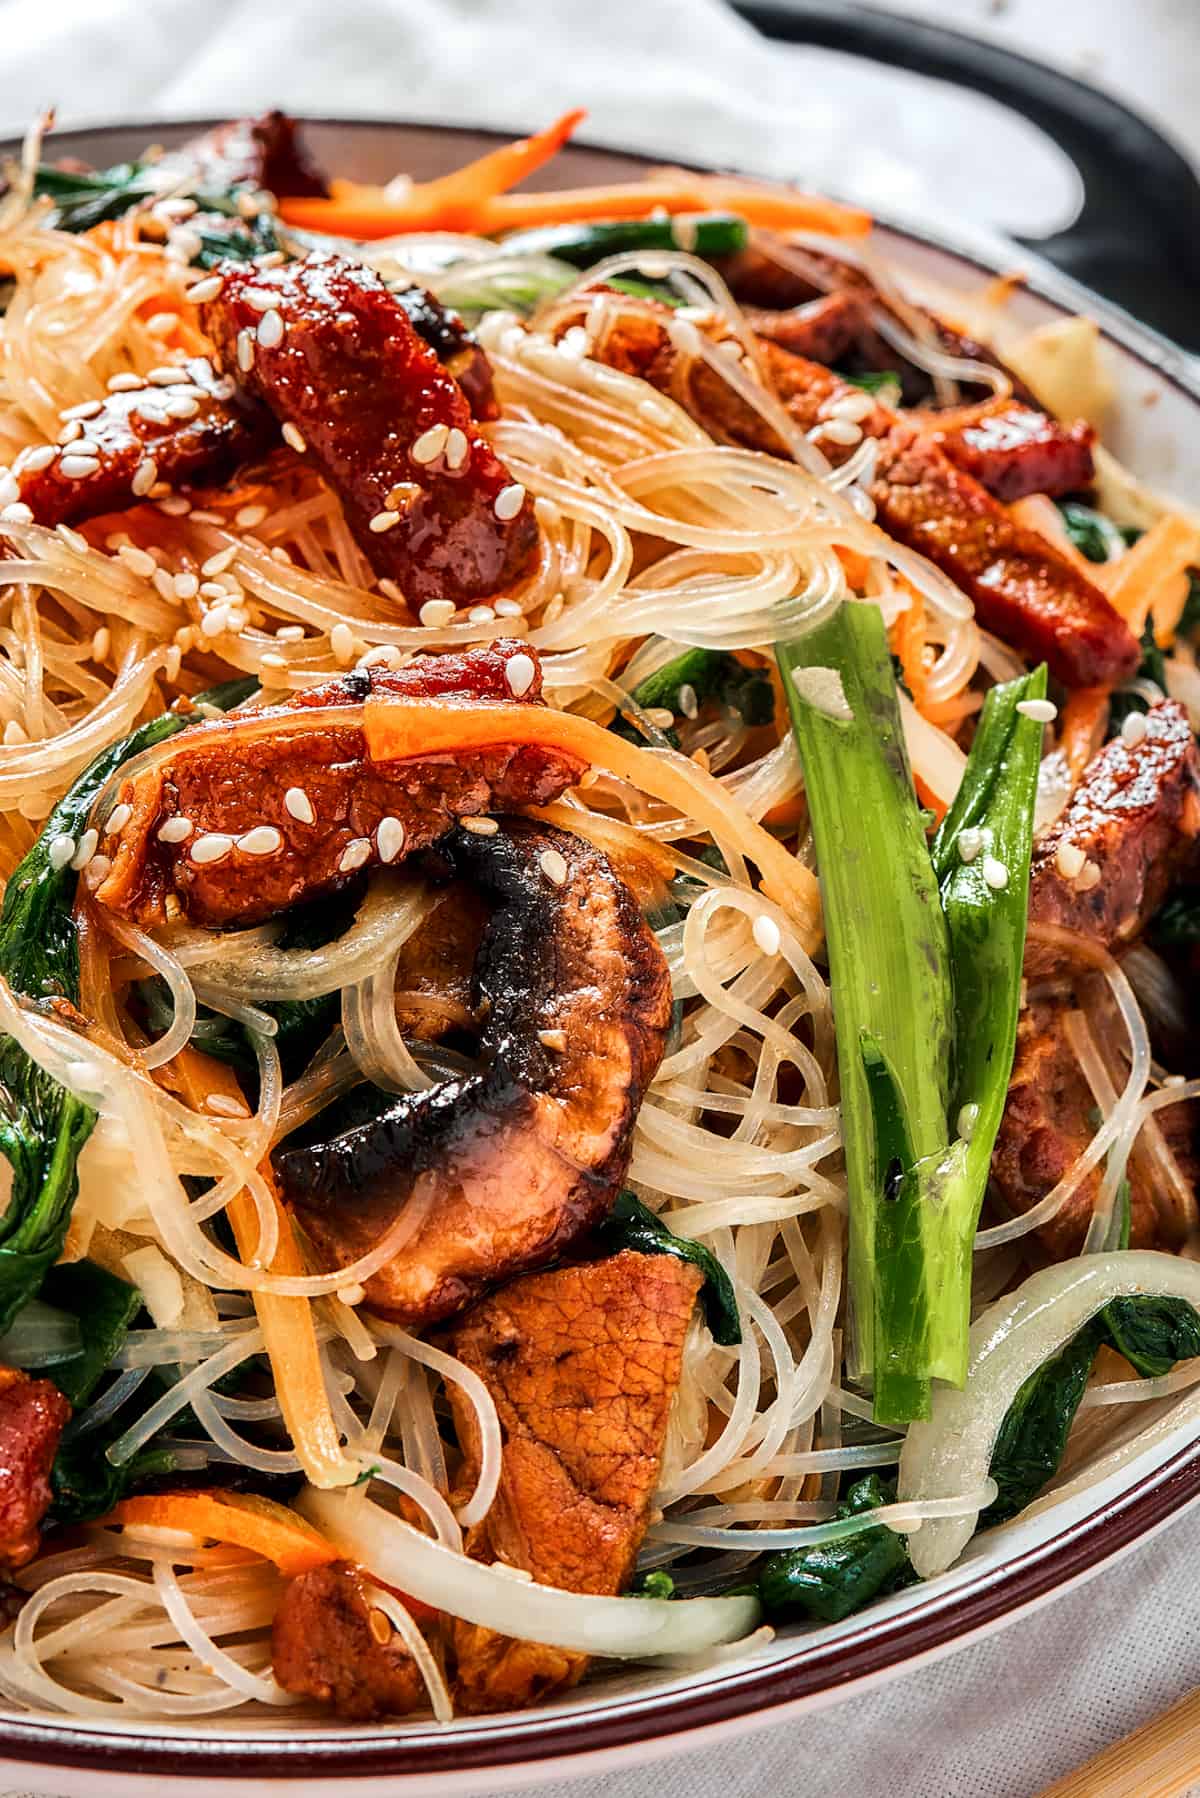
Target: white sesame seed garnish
<point>355,855</point>
<point>352,1295</point>
<point>168,375</point>
<point>213,846</point>
<point>553,866</point>
<point>457,448</point>
<point>390,837</point>
<point>35,460</point>
<point>14,733</point>
<point>73,539</point>
<point>480,827</point>
<point>85,848</point>
<point>383,521</point>
<point>968,1117</point>
<point>520,672</point>
<point>1133,729</point>
<point>70,433</point>
<point>436,612</point>
<point>78,468</point>
<point>181,406</point>
<point>215,621</point>
<point>98,869</point>
<point>429,445</point>
<point>174,505</point>
<point>970,842</point>
<point>117,819</point>
<point>481,615</point>
<point>144,476</point>
<point>507,608</point>
<point>279,554</point>
<point>290,633</point>
<point>1069,859</point>
<point>260,299</point>
<point>388,588</point>
<point>224,1105</point>
<point>660,716</point>
<point>217,564</point>
<point>245,351</point>
<point>247,517</point>
<point>839,430</point>
<point>276,663</point>
<point>88,409</point>
<point>175,830</point>
<point>294,438</point>
<point>1089,877</point>
<point>766,934</point>
<point>851,406</point>
<point>553,1039</point>
<point>689,705</point>
<point>101,643</point>
<point>299,805</point>
<point>140,561</point>
<point>264,839</point>
<point>1042,711</point>
<point>509,501</point>
<point>271,329</point>
<point>60,851</point>
<point>1173,1080</point>
<point>186,586</point>
<point>208,289</point>
<point>341,642</point>
<point>995,873</point>
<point>125,383</point>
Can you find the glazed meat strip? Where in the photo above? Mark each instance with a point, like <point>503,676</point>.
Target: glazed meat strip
<point>255,812</point>
<point>264,152</point>
<point>328,1644</point>
<point>583,1364</point>
<point>1129,831</point>
<point>33,1414</point>
<point>501,1169</point>
<point>332,352</point>
<point>187,426</point>
<point>1014,450</point>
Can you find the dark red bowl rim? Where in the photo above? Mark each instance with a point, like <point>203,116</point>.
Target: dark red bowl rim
<point>878,1644</point>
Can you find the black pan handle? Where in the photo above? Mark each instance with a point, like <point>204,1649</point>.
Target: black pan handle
<point>1137,237</point>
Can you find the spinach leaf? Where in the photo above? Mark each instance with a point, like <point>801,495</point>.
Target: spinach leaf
<point>656,1584</point>
<point>714,676</point>
<point>1151,667</point>
<point>1034,1433</point>
<point>632,1225</point>
<point>1093,535</point>
<point>105,1307</point>
<point>831,1580</point>
<point>1176,924</point>
<point>1152,1333</point>
<point>84,200</point>
<point>84,1484</point>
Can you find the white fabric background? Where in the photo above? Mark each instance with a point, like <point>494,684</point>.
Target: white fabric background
<point>679,77</point>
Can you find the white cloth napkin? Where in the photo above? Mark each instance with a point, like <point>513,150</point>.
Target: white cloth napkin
<point>682,78</point>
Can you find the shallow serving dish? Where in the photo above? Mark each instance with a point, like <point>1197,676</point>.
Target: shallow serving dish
<point>644,1713</point>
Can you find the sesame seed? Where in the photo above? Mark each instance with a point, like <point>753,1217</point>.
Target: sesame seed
<point>968,1117</point>
<point>481,615</point>
<point>260,299</point>
<point>271,329</point>
<point>169,375</point>
<point>970,842</point>
<point>88,409</point>
<point>223,559</point>
<point>689,705</point>
<point>139,560</point>
<point>1089,877</point>
<point>208,289</point>
<point>437,612</point>
<point>14,733</point>
<point>264,839</point>
<point>85,849</point>
<point>125,383</point>
<point>213,846</point>
<point>299,805</point>
<point>70,432</point>
<point>553,1039</point>
<point>853,407</point>
<point>290,633</point>
<point>164,585</point>
<point>390,837</point>
<point>174,505</point>
<point>73,539</point>
<point>1133,730</point>
<point>175,830</point>
<point>995,873</point>
<point>660,716</point>
<point>98,869</point>
<point>1173,1080</point>
<point>507,608</point>
<point>249,516</point>
<point>1069,859</point>
<point>379,1625</point>
<point>35,460</point>
<point>553,866</point>
<point>279,554</point>
<point>480,827</point>
<point>117,819</point>
<point>353,1294</point>
<point>840,430</point>
<point>247,205</point>
<point>275,662</point>
<point>101,643</point>
<point>430,444</point>
<point>355,855</point>
<point>383,655</point>
<point>215,621</point>
<point>388,588</point>
<point>383,521</point>
<point>200,515</point>
<point>457,448</point>
<point>144,476</point>
<point>60,851</point>
<point>181,406</point>
<point>1042,711</point>
<point>245,351</point>
<point>294,438</point>
<point>509,501</point>
<point>78,468</point>
<point>186,586</point>
<point>224,1105</point>
<point>341,642</point>
<point>766,934</point>
<point>520,672</point>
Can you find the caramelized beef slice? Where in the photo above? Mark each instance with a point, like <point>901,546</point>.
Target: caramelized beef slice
<point>1135,818</point>
<point>500,1170</point>
<point>583,1363</point>
<point>33,1414</point>
<point>375,409</point>
<point>265,152</point>
<point>195,432</point>
<point>227,778</point>
<point>324,1646</point>
<point>1014,450</point>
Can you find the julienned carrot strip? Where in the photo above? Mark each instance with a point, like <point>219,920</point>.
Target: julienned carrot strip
<point>240,1518</point>
<point>501,169</point>
<point>1150,578</point>
<point>908,642</point>
<point>1083,719</point>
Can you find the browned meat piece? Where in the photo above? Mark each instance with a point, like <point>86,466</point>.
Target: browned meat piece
<point>430,504</point>
<point>1131,827</point>
<point>501,1169</point>
<point>583,1364</point>
<point>265,152</point>
<point>319,809</point>
<point>197,431</point>
<point>1013,450</point>
<point>325,1645</point>
<point>33,1414</point>
<point>823,329</point>
<point>454,347</point>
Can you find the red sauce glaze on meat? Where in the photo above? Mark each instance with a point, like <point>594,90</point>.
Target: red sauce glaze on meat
<point>32,1416</point>
<point>195,431</point>
<point>1014,450</point>
<point>388,426</point>
<point>265,152</point>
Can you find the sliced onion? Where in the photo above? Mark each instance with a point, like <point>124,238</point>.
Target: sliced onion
<point>400,1556</point>
<point>952,1453</point>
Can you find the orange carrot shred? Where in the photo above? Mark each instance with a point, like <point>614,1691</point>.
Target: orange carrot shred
<point>1083,719</point>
